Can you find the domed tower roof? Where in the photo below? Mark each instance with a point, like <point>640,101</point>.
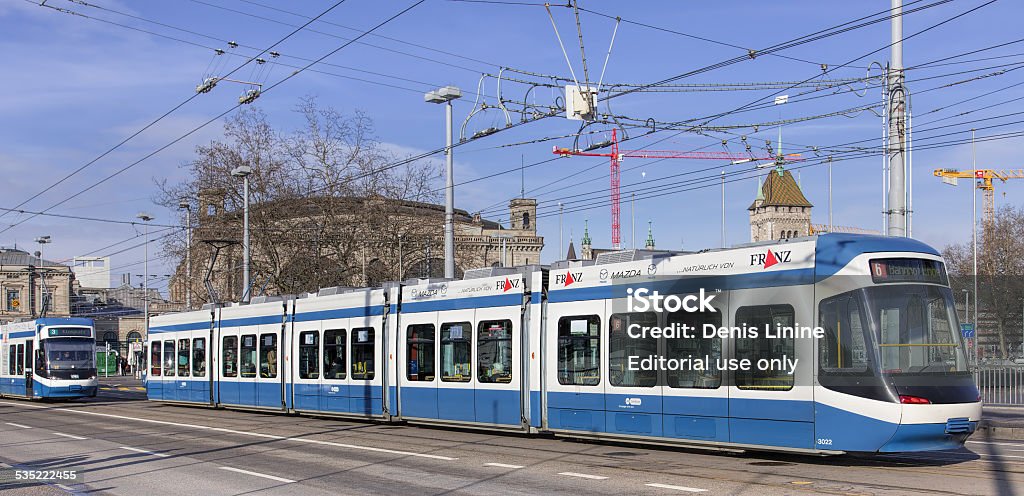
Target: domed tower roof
<point>780,190</point>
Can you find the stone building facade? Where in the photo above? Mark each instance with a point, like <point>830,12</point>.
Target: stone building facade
<point>29,285</point>
<point>404,241</point>
<point>780,210</point>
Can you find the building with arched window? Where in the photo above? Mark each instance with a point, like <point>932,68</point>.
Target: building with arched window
<point>780,210</point>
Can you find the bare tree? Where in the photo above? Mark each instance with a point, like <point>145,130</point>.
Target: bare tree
<point>1000,296</point>
<point>326,205</point>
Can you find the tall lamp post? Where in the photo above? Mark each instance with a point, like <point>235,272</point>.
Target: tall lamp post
<point>445,95</point>
<point>42,240</point>
<point>144,217</point>
<point>244,171</point>
<point>184,205</point>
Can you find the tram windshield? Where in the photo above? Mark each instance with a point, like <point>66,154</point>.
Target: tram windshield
<point>915,329</point>
<point>63,353</point>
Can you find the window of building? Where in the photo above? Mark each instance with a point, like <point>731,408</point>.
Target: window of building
<point>526,220</point>
<point>229,356</point>
<point>268,355</point>
<point>579,350</point>
<point>420,352</point>
<point>621,346</point>
<point>199,357</point>
<point>456,352</point>
<point>183,358</point>
<point>169,358</point>
<point>334,354</point>
<point>134,336</point>
<point>13,300</point>
<point>694,348</point>
<point>110,337</point>
<point>494,351</point>
<point>154,359</point>
<point>362,353</point>
<point>309,355</point>
<point>247,357</point>
<point>763,347</point>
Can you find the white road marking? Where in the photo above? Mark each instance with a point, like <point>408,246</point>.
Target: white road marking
<point>242,433</point>
<point>17,425</point>
<point>503,465</point>
<point>582,476</point>
<point>70,436</point>
<point>678,488</point>
<point>257,474</point>
<point>137,450</point>
<point>998,444</point>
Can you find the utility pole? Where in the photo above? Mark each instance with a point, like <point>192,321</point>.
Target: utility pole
<point>561,247</point>
<point>184,205</point>
<point>897,128</point>
<point>974,238</point>
<point>445,95</point>
<point>244,171</point>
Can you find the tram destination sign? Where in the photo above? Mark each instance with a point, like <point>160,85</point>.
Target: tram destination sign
<point>885,270</point>
<point>69,332</point>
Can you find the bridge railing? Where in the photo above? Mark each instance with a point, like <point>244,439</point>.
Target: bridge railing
<point>1001,384</point>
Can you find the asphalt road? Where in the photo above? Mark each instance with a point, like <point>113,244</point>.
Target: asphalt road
<point>121,444</point>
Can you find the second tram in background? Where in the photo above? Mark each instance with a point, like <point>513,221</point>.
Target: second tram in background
<point>535,349</point>
<point>48,358</point>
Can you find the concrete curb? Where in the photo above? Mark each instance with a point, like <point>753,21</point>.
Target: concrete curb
<point>988,431</point>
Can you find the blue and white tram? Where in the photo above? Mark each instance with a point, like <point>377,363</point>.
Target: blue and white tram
<point>48,358</point>
<point>557,350</point>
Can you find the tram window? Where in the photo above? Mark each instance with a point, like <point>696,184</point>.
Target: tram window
<point>229,356</point>
<point>154,359</point>
<point>169,358</point>
<point>494,351</point>
<point>309,355</point>
<point>199,357</point>
<point>621,346</point>
<point>183,356</point>
<point>12,358</point>
<point>843,350</point>
<point>362,353</point>
<point>456,352</point>
<point>334,353</point>
<point>579,350</point>
<point>20,358</point>
<point>696,347</point>
<point>763,347</point>
<point>268,355</point>
<point>247,358</point>
<point>420,352</point>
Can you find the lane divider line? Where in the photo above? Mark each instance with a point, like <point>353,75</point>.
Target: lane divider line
<point>245,433</point>
<point>583,476</point>
<point>147,452</point>
<point>12,424</point>
<point>503,465</point>
<point>257,474</point>
<point>79,438</point>
<point>678,488</point>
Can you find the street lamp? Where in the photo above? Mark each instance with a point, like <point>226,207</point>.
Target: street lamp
<point>184,205</point>
<point>144,217</point>
<point>445,95</point>
<point>244,171</point>
<point>42,240</point>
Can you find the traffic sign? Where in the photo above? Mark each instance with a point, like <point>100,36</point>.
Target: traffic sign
<point>967,330</point>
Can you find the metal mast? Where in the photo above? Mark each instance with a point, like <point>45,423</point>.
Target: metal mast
<point>897,129</point>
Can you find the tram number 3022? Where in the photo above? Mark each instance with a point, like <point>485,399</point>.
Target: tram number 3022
<point>824,441</point>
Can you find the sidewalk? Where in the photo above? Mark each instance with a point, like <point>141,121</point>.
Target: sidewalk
<point>1002,422</point>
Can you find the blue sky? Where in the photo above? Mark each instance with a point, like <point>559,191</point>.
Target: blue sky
<point>75,86</point>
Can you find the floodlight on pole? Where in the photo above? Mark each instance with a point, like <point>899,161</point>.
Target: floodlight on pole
<point>144,217</point>
<point>445,95</point>
<point>184,204</point>
<point>244,171</point>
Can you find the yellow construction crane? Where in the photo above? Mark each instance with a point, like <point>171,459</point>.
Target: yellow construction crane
<point>983,181</point>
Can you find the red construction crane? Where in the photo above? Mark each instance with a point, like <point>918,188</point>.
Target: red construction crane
<point>616,157</point>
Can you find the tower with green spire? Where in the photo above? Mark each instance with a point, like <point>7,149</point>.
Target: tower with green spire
<point>650,236</point>
<point>586,249</point>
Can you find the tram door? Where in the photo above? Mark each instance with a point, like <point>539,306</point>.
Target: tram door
<point>772,403</point>
<point>29,366</point>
